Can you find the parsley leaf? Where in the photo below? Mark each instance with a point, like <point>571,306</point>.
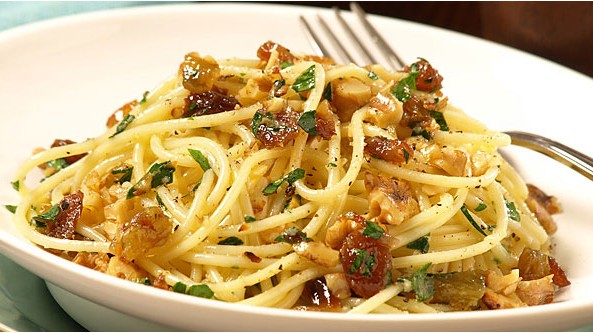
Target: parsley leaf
<point>16,185</point>
<point>231,241</point>
<point>423,284</point>
<point>305,81</point>
<point>471,220</point>
<point>440,119</point>
<point>57,164</point>
<point>373,76</point>
<point>421,244</point>
<point>512,211</point>
<point>285,64</point>
<point>162,173</point>
<point>327,92</point>
<point>144,95</point>
<point>481,206</point>
<point>123,124</point>
<point>249,219</point>
<point>403,89</point>
<point>49,215</point>
<point>200,158</point>
<point>372,230</point>
<point>363,262</point>
<point>308,122</point>
<point>291,177</point>
<point>200,290</point>
<point>11,208</point>
<point>158,174</point>
<point>125,172</point>
<point>292,235</point>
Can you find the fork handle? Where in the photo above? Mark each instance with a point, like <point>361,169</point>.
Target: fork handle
<point>576,160</point>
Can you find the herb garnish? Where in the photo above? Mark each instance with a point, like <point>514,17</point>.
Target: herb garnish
<point>372,230</point>
<point>373,76</point>
<point>158,174</point>
<point>125,172</point>
<point>471,220</point>
<point>327,92</point>
<point>421,244</point>
<point>440,119</point>
<point>423,284</point>
<point>231,241</point>
<point>249,219</point>
<point>308,122</point>
<point>199,290</point>
<point>403,89</point>
<point>292,235</point>
<point>481,206</point>
<point>200,158</point>
<point>11,208</point>
<point>512,211</point>
<point>305,81</point>
<point>291,177</point>
<point>123,124</point>
<point>363,262</point>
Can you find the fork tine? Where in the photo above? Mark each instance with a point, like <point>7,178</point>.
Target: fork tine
<point>314,39</point>
<point>383,46</point>
<point>332,37</point>
<point>369,59</point>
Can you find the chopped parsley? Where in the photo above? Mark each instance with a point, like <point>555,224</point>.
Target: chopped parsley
<point>327,92</point>
<point>403,89</point>
<point>363,262</point>
<point>199,290</point>
<point>231,241</point>
<point>440,119</point>
<point>292,235</point>
<point>257,119</point>
<point>471,220</point>
<point>372,230</point>
<point>512,211</point>
<point>48,216</point>
<point>144,97</point>
<point>11,208</point>
<point>308,122</point>
<point>278,84</point>
<point>286,64</point>
<point>125,172</point>
<point>305,81</point>
<point>57,164</point>
<point>481,206</point>
<point>291,177</point>
<point>423,284</point>
<point>158,174</point>
<point>249,219</point>
<point>16,185</point>
<point>421,244</point>
<point>373,76</point>
<point>123,124</point>
<point>200,158</point>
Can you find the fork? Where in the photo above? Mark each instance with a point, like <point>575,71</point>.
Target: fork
<point>568,156</point>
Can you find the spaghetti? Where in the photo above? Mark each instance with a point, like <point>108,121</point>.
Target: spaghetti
<point>290,181</point>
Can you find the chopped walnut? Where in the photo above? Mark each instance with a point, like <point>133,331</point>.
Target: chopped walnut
<point>318,253</point>
<point>543,206</point>
<point>536,292</point>
<point>390,200</point>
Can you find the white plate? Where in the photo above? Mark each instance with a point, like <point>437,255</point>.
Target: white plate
<point>62,79</point>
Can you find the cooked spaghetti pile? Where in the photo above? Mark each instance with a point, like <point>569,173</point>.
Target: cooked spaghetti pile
<point>292,182</point>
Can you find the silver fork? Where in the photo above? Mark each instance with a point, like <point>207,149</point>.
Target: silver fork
<point>556,150</point>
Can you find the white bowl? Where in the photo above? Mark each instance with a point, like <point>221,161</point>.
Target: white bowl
<point>62,78</point>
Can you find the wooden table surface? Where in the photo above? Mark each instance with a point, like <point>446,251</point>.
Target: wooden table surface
<point>559,31</point>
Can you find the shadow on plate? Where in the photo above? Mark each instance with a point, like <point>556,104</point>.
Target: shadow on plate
<point>27,305</point>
